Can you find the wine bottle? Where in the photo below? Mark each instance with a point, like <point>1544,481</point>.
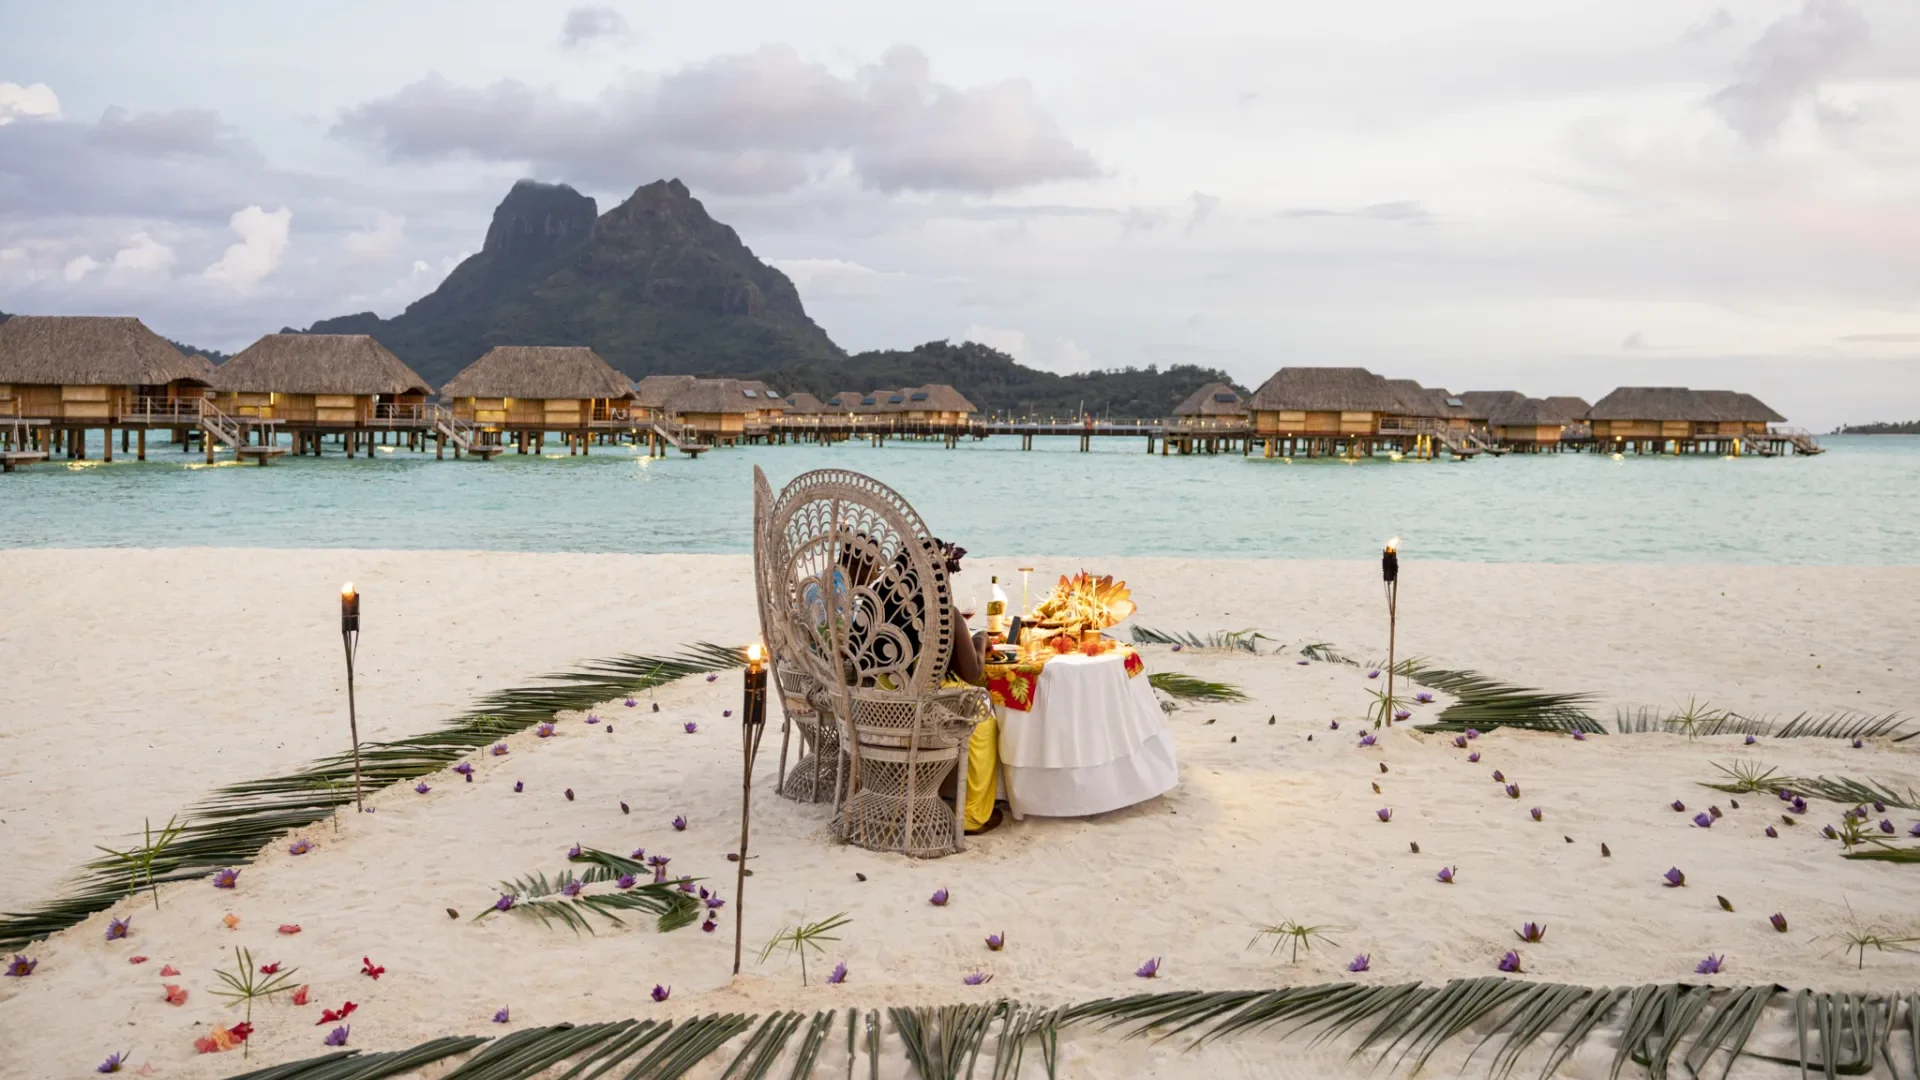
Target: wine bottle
<point>996,609</point>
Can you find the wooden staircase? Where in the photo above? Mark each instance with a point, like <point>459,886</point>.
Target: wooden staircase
<point>1801,439</point>
<point>464,436</point>
<point>217,426</point>
<point>676,435</point>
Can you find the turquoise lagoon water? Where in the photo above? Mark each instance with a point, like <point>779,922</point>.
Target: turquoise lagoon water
<point>1857,504</point>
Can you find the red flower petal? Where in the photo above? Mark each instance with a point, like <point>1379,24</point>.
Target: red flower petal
<point>136,959</point>
<point>169,970</point>
<point>289,928</point>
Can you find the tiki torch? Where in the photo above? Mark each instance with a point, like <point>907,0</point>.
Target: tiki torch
<point>753,721</point>
<point>350,638</point>
<point>1390,576</point>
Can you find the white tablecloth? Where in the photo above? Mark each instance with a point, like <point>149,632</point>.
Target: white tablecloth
<point>1095,740</point>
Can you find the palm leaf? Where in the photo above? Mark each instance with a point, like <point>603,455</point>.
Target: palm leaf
<point>1220,640</point>
<point>1484,703</point>
<point>1325,652</point>
<point>231,826</point>
<point>1186,687</point>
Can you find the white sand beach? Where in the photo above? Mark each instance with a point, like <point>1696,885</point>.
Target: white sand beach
<point>136,681</point>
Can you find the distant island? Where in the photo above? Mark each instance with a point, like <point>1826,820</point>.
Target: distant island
<point>1910,427</point>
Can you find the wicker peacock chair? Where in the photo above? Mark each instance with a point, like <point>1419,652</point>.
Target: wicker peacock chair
<point>816,775</point>
<point>868,616</point>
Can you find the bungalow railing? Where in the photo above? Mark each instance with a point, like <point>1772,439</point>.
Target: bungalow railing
<point>395,414</point>
<point>162,410</point>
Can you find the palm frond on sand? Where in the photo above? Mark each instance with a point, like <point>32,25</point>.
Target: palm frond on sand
<point>1187,688</point>
<point>1697,720</point>
<point>1744,776</point>
<point>537,897</point>
<point>1664,1029</point>
<point>1222,640</point>
<point>1325,652</point>
<point>231,826</point>
<point>1483,703</point>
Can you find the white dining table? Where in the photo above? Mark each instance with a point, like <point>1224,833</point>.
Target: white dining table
<point>1095,740</point>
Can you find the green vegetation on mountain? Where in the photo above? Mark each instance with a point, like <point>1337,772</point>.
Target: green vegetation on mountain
<point>1911,427</point>
<point>996,383</point>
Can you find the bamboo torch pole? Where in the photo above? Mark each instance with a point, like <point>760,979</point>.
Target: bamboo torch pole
<point>753,713</point>
<point>1390,575</point>
<point>350,638</point>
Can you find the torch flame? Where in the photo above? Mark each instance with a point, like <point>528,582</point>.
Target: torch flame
<point>347,589</point>
<point>755,653</point>
<point>1393,544</point>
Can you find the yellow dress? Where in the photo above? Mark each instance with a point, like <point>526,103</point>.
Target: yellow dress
<point>983,771</point>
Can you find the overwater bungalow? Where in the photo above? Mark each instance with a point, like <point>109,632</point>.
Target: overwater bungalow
<point>1656,419</point>
<point>803,404</point>
<point>1530,424</point>
<point>63,375</point>
<point>1214,405</point>
<point>714,411</point>
<point>653,395</point>
<point>314,385</point>
<point>938,404</point>
<point>1479,406</point>
<point>1324,410</point>
<point>523,392</point>
<point>764,403</point>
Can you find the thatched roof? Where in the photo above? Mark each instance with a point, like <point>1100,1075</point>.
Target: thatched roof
<point>204,366</point>
<point>1326,389</point>
<point>1526,412</point>
<point>855,401</point>
<point>1567,409</point>
<point>1680,403</point>
<point>938,397</point>
<point>1418,401</point>
<point>1483,404</point>
<point>714,396</point>
<point>658,391</point>
<point>1213,399</point>
<point>539,372</point>
<point>318,364</point>
<point>763,391</point>
<point>89,350</point>
<point>803,404</point>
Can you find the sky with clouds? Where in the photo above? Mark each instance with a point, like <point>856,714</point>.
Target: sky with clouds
<point>1557,196</point>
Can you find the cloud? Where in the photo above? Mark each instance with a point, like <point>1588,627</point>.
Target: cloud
<point>756,123</point>
<point>1708,28</point>
<point>161,134</point>
<point>821,280</point>
<point>1403,212</point>
<point>27,102</point>
<point>1880,339</point>
<point>591,22</point>
<point>379,241</point>
<point>1203,207</point>
<point>1787,66</point>
<point>1634,342</point>
<point>78,268</point>
<point>142,255</point>
<point>263,244</point>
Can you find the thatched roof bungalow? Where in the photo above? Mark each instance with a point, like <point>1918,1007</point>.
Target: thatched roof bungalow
<point>1324,402</point>
<point>86,369</point>
<point>803,404</point>
<point>764,402</point>
<point>1675,412</point>
<point>714,409</point>
<point>1528,421</point>
<point>321,381</point>
<point>935,403</point>
<point>1216,404</point>
<point>540,388</point>
<point>653,395</point>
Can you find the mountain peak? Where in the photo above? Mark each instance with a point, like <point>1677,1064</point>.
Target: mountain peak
<point>536,219</point>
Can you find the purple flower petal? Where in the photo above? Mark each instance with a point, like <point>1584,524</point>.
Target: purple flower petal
<point>976,978</point>
<point>996,942</point>
<point>501,1017</point>
<point>338,1036</point>
<point>226,879</point>
<point>1385,813</point>
<point>1511,962</point>
<point>939,897</point>
<point>1361,963</point>
<point>1148,970</point>
<point>1535,812</point>
<point>422,787</point>
<point>1704,821</point>
<point>1474,757</point>
<point>691,727</point>
<point>1709,966</point>
<point>661,993</point>
<point>679,823</point>
<point>1445,875</point>
<point>839,973</point>
<point>1674,878</point>
<point>117,928</point>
